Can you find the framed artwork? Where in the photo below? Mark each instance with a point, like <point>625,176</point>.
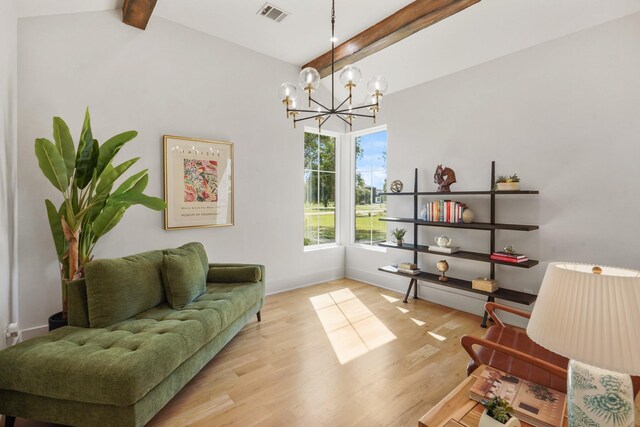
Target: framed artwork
<point>198,183</point>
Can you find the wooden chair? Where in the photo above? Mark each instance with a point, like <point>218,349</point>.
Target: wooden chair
<point>511,350</point>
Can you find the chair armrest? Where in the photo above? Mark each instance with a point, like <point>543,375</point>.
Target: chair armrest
<point>235,273</point>
<point>468,341</point>
<point>490,307</point>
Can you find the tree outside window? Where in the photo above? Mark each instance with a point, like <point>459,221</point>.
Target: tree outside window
<point>320,189</point>
<point>370,181</point>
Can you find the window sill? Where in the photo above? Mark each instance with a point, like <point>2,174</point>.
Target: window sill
<point>369,247</point>
<point>320,247</point>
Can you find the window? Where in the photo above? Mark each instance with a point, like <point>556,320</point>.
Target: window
<point>370,181</point>
<point>319,189</point>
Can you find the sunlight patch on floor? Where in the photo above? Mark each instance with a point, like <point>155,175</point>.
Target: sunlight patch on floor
<point>418,322</point>
<point>436,336</point>
<point>390,299</point>
<point>351,327</point>
<point>402,310</point>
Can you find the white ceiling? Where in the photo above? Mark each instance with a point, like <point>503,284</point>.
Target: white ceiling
<point>488,30</point>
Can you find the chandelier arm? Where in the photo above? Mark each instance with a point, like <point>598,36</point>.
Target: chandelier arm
<point>320,105</point>
<point>369,116</point>
<point>322,122</point>
<point>347,111</point>
<point>342,103</point>
<point>343,119</point>
<point>310,111</point>
<point>326,115</point>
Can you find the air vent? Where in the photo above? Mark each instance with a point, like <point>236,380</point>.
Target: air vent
<point>272,12</point>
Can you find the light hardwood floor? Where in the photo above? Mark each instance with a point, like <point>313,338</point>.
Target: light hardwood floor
<point>340,353</point>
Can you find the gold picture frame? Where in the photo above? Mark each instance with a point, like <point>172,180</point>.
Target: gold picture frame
<point>198,183</point>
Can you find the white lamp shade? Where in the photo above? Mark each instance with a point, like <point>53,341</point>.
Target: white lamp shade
<point>592,318</point>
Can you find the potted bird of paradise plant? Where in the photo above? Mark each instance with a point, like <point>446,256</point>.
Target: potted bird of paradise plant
<point>85,176</point>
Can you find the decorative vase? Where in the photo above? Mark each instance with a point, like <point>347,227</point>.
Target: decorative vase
<point>56,321</point>
<point>399,242</point>
<point>508,186</point>
<point>487,421</point>
<point>468,216</point>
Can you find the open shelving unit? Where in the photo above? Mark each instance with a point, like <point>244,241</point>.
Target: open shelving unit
<point>492,227</point>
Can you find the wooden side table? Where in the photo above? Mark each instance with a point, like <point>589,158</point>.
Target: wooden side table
<point>457,409</point>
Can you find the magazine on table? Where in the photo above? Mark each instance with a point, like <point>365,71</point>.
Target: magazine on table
<point>535,404</point>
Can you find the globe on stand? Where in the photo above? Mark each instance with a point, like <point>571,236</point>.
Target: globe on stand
<point>443,267</point>
<point>396,186</point>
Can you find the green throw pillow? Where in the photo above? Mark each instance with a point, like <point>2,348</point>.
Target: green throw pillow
<point>249,273</point>
<point>182,277</point>
<point>199,249</point>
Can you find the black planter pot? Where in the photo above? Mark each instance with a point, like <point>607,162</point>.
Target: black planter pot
<point>56,321</point>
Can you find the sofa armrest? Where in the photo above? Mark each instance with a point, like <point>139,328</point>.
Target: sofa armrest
<point>235,273</point>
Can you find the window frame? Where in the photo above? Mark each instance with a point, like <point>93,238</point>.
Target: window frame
<point>352,179</point>
<point>337,166</point>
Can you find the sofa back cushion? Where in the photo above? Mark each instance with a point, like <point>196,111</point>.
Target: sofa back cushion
<point>198,248</point>
<point>182,276</point>
<point>120,288</point>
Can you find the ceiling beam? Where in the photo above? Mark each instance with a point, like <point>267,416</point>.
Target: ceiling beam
<point>415,17</point>
<point>137,12</point>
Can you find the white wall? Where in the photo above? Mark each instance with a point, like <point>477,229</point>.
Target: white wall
<point>166,80</point>
<point>8,144</point>
<point>564,116</point>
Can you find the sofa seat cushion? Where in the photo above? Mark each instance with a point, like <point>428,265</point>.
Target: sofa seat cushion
<point>120,364</point>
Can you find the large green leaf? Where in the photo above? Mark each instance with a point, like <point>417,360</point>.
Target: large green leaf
<point>133,198</point>
<point>75,200</point>
<point>95,211</point>
<point>110,148</point>
<point>107,180</point>
<point>56,229</point>
<point>131,182</point>
<point>64,144</point>
<point>86,136</point>
<point>52,164</point>
<point>140,186</point>
<point>86,163</point>
<point>108,219</point>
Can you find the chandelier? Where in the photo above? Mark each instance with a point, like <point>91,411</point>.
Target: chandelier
<point>309,79</point>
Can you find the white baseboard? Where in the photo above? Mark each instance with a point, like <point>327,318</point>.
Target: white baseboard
<point>38,331</point>
<point>279,286</point>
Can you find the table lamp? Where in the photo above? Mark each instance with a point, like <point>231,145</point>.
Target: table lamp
<point>591,315</point>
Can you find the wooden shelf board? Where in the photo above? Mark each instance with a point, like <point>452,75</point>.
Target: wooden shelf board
<point>460,193</point>
<point>471,226</point>
<point>474,256</point>
<point>465,285</point>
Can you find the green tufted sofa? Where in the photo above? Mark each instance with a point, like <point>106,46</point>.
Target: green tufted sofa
<point>105,370</point>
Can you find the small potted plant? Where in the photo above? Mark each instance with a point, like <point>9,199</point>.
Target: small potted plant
<point>496,414</point>
<point>508,183</point>
<point>399,233</point>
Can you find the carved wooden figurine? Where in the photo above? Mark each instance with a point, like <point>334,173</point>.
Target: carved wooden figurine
<point>444,177</point>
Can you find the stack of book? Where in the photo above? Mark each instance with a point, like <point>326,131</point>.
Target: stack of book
<point>444,249</point>
<point>444,211</point>
<point>408,268</point>
<point>509,257</point>
<point>535,404</point>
